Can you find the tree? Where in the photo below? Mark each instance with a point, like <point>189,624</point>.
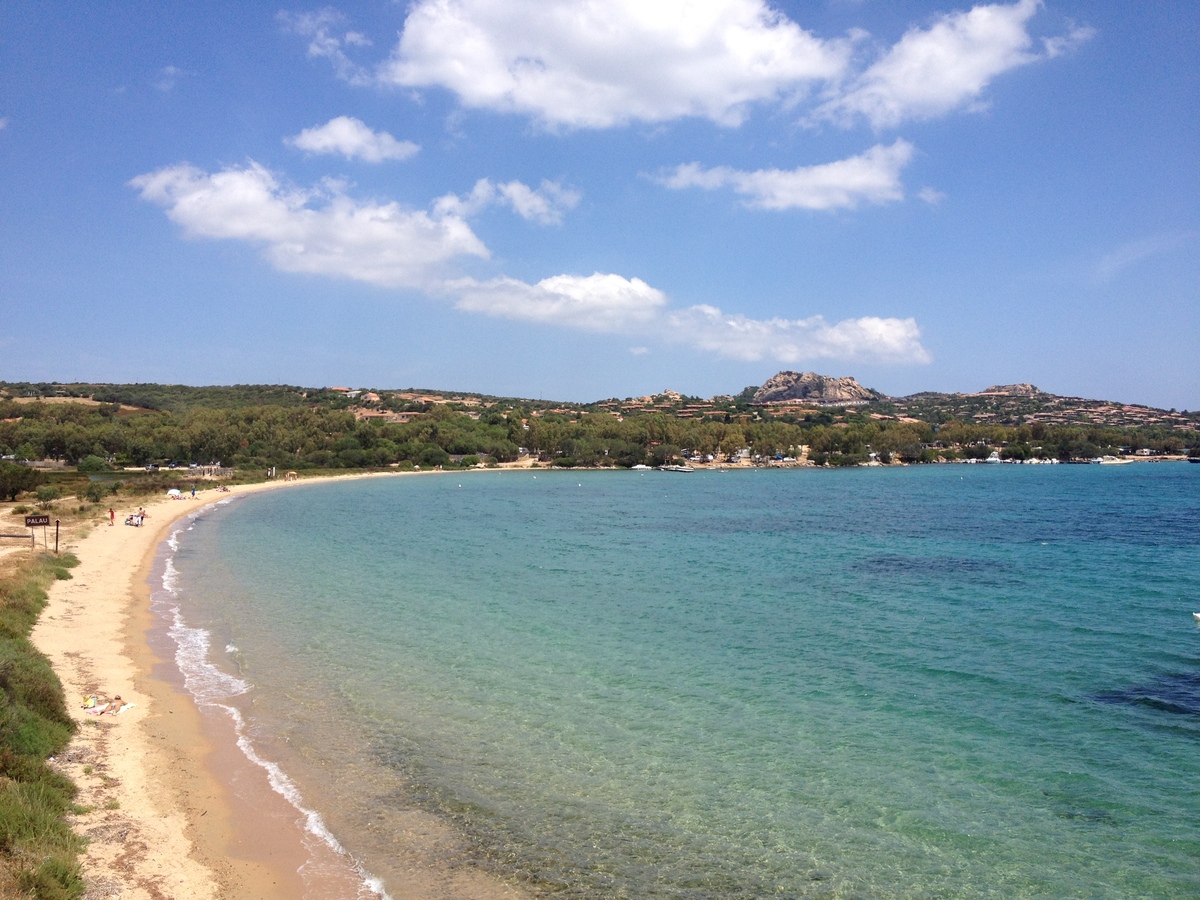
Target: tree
<point>46,495</point>
<point>92,464</point>
<point>15,479</point>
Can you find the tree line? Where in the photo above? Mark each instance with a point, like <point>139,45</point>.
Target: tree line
<point>297,437</point>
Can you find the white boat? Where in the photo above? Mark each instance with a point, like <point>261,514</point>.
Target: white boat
<point>677,468</point>
<point>1196,616</point>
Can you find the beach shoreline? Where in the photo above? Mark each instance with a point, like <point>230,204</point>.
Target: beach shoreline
<point>156,782</point>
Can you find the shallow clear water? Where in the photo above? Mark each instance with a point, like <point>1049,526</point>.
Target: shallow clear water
<point>946,681</point>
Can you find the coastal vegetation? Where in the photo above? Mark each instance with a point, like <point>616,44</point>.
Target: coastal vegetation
<point>249,428</point>
<point>38,850</point>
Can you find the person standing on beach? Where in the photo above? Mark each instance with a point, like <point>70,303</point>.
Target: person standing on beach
<point>112,517</point>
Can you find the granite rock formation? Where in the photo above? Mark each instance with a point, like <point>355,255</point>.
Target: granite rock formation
<point>810,387</point>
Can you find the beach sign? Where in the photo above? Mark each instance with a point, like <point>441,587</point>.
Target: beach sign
<point>34,521</point>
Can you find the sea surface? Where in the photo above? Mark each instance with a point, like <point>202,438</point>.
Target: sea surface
<point>943,681</point>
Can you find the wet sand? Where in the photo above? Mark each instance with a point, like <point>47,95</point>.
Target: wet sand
<point>175,808</point>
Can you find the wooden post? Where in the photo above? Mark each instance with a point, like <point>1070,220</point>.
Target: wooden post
<point>56,537</point>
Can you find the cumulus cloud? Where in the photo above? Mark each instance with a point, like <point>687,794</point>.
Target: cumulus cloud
<point>545,204</point>
<point>873,176</point>
<point>616,305</point>
<point>352,139</point>
<point>605,303</point>
<point>794,340</point>
<point>598,65</point>
<point>328,39</point>
<point>933,71</point>
<point>595,65</point>
<point>322,231</point>
<point>319,231</point>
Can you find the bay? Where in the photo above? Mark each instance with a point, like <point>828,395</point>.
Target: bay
<point>948,681</point>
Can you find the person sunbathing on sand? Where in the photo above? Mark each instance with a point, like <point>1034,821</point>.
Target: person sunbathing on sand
<point>113,706</point>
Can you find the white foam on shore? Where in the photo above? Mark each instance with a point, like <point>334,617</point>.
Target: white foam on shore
<point>210,686</point>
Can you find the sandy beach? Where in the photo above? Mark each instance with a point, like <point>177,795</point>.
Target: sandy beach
<point>173,807</point>
<point>162,819</point>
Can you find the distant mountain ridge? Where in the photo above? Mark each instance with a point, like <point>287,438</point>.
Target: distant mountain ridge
<point>784,394</point>
<point>999,404</point>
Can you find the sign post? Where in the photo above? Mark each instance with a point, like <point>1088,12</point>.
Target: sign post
<point>32,522</point>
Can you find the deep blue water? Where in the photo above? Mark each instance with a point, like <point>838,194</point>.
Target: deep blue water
<point>949,681</point>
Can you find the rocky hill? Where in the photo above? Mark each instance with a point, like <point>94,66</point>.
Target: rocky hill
<point>811,388</point>
<point>1024,404</point>
<point>1015,390</point>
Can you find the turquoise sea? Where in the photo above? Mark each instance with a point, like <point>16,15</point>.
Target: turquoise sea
<point>942,681</point>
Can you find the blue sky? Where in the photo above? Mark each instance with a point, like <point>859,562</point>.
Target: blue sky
<point>578,200</point>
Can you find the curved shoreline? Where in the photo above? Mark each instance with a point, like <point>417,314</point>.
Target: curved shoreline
<point>162,818</point>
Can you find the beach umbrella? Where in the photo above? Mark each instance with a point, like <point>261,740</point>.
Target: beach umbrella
<point>173,492</point>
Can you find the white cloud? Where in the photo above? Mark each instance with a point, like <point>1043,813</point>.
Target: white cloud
<point>352,139</point>
<point>793,340</point>
<point>595,65</point>
<point>604,303</point>
<point>932,71</point>
<point>328,40</point>
<point>320,232</point>
<point>544,205</point>
<point>873,176</point>
<point>168,77</point>
<point>1134,252</point>
<point>3,122</point>
<point>613,304</point>
<point>931,195</point>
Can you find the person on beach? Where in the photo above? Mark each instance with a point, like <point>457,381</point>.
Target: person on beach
<point>113,707</point>
<point>112,517</point>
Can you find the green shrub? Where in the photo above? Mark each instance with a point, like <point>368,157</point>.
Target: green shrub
<point>92,464</point>
<point>57,878</point>
<point>37,847</point>
<point>46,495</point>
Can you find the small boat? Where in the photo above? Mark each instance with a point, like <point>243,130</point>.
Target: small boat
<point>676,468</point>
<point>1196,616</point>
